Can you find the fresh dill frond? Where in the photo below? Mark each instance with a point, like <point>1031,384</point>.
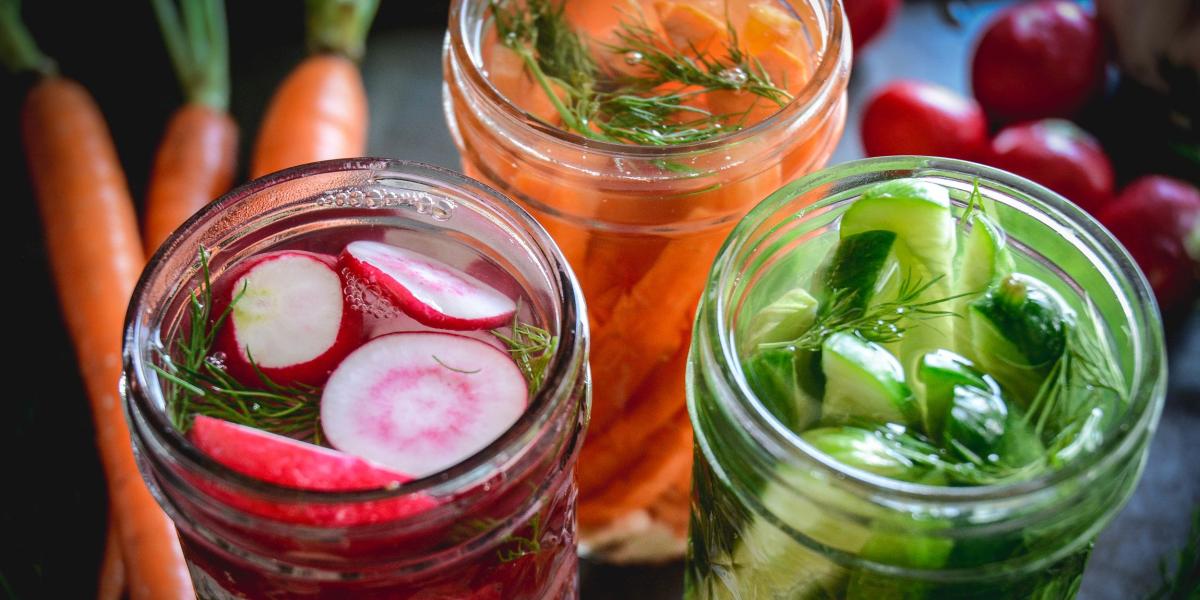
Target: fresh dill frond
<point>532,348</point>
<point>620,108</point>
<point>196,382</point>
<point>882,323</point>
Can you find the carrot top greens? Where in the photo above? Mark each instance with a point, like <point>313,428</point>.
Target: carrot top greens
<point>604,105</point>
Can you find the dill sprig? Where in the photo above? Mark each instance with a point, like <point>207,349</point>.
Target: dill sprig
<point>882,323</point>
<point>532,348</point>
<point>200,385</point>
<point>1086,377</point>
<point>628,109</point>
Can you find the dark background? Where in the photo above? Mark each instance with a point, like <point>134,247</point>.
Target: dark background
<point>53,505</point>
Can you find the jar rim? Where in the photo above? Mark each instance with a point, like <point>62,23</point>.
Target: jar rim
<point>1147,384</point>
<point>835,53</point>
<point>142,394</point>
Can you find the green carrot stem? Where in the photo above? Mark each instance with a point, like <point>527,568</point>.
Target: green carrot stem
<point>18,51</point>
<point>198,43</point>
<point>340,26</point>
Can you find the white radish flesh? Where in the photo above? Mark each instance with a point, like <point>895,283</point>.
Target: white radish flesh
<point>402,323</point>
<point>290,317</point>
<point>421,402</point>
<point>428,290</point>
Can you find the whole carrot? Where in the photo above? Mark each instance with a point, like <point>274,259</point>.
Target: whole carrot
<point>319,111</point>
<point>197,157</point>
<point>95,257</point>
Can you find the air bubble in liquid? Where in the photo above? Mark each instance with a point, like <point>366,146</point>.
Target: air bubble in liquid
<point>733,76</point>
<point>633,57</point>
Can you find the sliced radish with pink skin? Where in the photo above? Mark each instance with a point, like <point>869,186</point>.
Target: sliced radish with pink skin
<point>428,290</point>
<point>290,316</point>
<point>403,323</point>
<point>421,402</point>
<point>291,463</point>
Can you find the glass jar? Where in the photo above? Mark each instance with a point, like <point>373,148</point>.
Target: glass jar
<point>775,518</point>
<point>640,225</point>
<point>500,524</point>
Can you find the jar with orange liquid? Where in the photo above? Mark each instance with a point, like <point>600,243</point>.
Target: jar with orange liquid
<point>638,132</point>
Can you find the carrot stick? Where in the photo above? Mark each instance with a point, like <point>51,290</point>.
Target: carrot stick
<point>666,459</point>
<point>112,567</point>
<point>197,156</point>
<point>320,111</point>
<point>95,257</point>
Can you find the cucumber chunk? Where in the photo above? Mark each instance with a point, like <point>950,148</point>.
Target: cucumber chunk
<point>976,423</point>
<point>984,257</point>
<point>774,377</point>
<point>785,319</point>
<point>937,374</point>
<point>866,450</point>
<point>917,211</point>
<point>1018,330</point>
<point>862,266</point>
<point>863,381</point>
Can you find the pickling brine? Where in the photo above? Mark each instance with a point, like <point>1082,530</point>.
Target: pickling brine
<point>637,132</point>
<point>916,378</point>
<point>344,392</point>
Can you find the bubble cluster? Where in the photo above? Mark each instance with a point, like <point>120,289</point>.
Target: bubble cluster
<point>367,298</point>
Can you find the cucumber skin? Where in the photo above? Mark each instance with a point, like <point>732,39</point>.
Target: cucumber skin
<point>856,266</point>
<point>978,420</point>
<point>1028,314</point>
<point>863,375</point>
<point>775,377</point>
<point>938,372</point>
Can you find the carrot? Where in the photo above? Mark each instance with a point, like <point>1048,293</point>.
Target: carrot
<point>95,257</point>
<point>319,112</point>
<point>197,156</point>
<point>668,458</point>
<point>112,567</point>
<point>672,508</point>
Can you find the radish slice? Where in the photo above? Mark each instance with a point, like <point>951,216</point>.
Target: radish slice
<point>290,317</point>
<point>402,323</point>
<point>430,291</point>
<point>421,402</point>
<point>292,463</point>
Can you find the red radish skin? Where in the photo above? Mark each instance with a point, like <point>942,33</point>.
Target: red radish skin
<point>421,402</point>
<point>914,117</point>
<point>1037,60</point>
<point>403,323</point>
<point>428,290</point>
<point>1153,217</point>
<point>291,317</point>
<point>868,18</point>
<point>291,463</point>
<point>1058,155</point>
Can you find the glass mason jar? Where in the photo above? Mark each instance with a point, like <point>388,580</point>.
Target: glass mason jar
<point>501,523</point>
<point>640,225</point>
<point>775,518</point>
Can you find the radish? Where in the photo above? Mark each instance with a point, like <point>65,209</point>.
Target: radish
<point>402,323</point>
<point>421,402</point>
<point>291,463</point>
<point>290,317</point>
<point>430,291</point>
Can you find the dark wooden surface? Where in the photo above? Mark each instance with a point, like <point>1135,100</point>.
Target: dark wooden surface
<point>53,506</point>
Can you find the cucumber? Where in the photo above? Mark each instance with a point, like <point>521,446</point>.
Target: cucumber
<point>864,449</point>
<point>982,260</point>
<point>773,375</point>
<point>919,213</point>
<point>785,319</point>
<point>1018,330</point>
<point>913,550</point>
<point>976,424</point>
<point>863,381</point>
<point>937,374</point>
<point>861,267</point>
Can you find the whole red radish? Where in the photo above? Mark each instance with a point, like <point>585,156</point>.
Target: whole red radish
<point>1037,60</point>
<point>294,464</point>
<point>290,319</point>
<point>1058,155</point>
<point>913,117</point>
<point>867,19</point>
<point>1154,217</point>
